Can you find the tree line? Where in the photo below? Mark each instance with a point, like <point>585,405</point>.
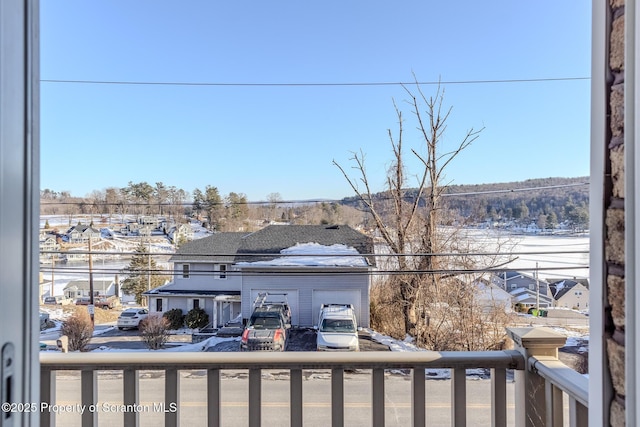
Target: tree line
<point>546,202</point>
<point>231,212</point>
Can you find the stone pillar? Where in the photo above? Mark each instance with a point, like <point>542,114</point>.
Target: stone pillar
<point>614,245</point>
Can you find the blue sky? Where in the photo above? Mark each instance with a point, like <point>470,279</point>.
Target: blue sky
<point>258,139</point>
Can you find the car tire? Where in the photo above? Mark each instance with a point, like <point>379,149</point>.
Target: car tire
<point>120,328</point>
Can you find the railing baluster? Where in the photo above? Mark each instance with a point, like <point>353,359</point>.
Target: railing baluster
<point>213,397</point>
<point>255,398</point>
<point>89,397</point>
<point>171,396</point>
<point>498,397</point>
<point>337,397</point>
<point>578,413</point>
<point>554,405</point>
<point>295,389</point>
<point>48,396</point>
<point>377,397</point>
<point>418,396</point>
<point>459,397</point>
<point>131,396</point>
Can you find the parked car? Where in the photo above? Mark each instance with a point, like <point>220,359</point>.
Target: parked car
<point>131,317</point>
<point>276,300</point>
<point>83,301</point>
<point>57,300</point>
<point>337,329</point>
<point>105,302</point>
<point>267,330</point>
<point>44,320</point>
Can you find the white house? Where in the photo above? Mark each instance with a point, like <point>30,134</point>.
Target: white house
<point>313,265</point>
<point>571,294</point>
<point>80,288</point>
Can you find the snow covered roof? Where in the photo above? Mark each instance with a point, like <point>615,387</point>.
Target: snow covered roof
<point>315,254</point>
<point>275,242</point>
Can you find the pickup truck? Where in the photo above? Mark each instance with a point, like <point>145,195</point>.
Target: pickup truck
<point>105,303</point>
<point>267,330</point>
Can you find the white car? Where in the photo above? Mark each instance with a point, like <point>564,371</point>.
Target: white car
<point>131,317</point>
<point>337,329</point>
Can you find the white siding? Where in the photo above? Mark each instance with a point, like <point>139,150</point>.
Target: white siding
<point>312,280</point>
<point>336,296</point>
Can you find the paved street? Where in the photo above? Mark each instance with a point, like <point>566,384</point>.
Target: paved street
<point>275,395</point>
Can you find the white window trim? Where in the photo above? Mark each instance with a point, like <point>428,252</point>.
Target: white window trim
<point>164,305</point>
<point>190,303</point>
<point>221,274</point>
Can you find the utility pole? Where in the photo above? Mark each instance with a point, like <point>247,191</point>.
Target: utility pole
<point>537,292</point>
<point>90,307</point>
<point>149,266</point>
<point>53,266</point>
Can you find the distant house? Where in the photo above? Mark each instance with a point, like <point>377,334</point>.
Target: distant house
<point>82,234</point>
<point>510,280</point>
<point>181,234</point>
<point>150,221</point>
<point>490,297</point>
<point>130,228</point>
<point>526,298</point>
<point>313,265</point>
<point>81,288</point>
<point>48,244</point>
<point>571,293</point>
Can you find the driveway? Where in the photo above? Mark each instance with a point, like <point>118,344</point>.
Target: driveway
<point>304,339</point>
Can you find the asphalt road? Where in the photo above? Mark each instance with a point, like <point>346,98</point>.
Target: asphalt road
<point>192,407</point>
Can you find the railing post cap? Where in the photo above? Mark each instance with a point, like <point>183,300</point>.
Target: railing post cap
<point>536,337</point>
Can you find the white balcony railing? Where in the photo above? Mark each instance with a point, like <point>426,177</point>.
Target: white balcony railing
<point>532,407</point>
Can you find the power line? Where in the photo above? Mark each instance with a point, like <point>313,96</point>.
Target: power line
<point>311,84</point>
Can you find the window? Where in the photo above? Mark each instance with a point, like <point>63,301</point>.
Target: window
<point>159,304</point>
<point>185,271</point>
<point>222,271</point>
<point>196,303</point>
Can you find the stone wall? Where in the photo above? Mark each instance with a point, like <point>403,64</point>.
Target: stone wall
<point>614,215</point>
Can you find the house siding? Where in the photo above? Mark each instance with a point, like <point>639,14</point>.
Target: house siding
<point>305,284</point>
<point>203,278</point>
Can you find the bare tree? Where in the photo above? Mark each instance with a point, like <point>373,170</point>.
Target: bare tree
<point>427,290</point>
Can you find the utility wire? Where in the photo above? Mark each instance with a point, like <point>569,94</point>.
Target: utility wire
<point>311,84</point>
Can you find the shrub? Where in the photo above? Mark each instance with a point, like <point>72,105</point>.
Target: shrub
<point>196,318</point>
<point>175,318</point>
<point>79,329</point>
<point>154,331</point>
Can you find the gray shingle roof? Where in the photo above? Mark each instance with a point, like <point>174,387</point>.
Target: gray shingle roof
<point>220,246</point>
<point>270,241</point>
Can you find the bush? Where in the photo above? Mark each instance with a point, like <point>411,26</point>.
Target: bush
<point>196,318</point>
<point>79,329</point>
<point>175,318</point>
<point>154,331</point>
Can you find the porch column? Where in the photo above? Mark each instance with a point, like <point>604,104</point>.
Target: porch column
<point>530,387</point>
<point>215,313</point>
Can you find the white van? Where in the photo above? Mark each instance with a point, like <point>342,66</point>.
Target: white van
<point>337,329</point>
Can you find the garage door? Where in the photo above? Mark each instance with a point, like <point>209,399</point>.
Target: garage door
<point>337,296</point>
<point>292,298</point>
